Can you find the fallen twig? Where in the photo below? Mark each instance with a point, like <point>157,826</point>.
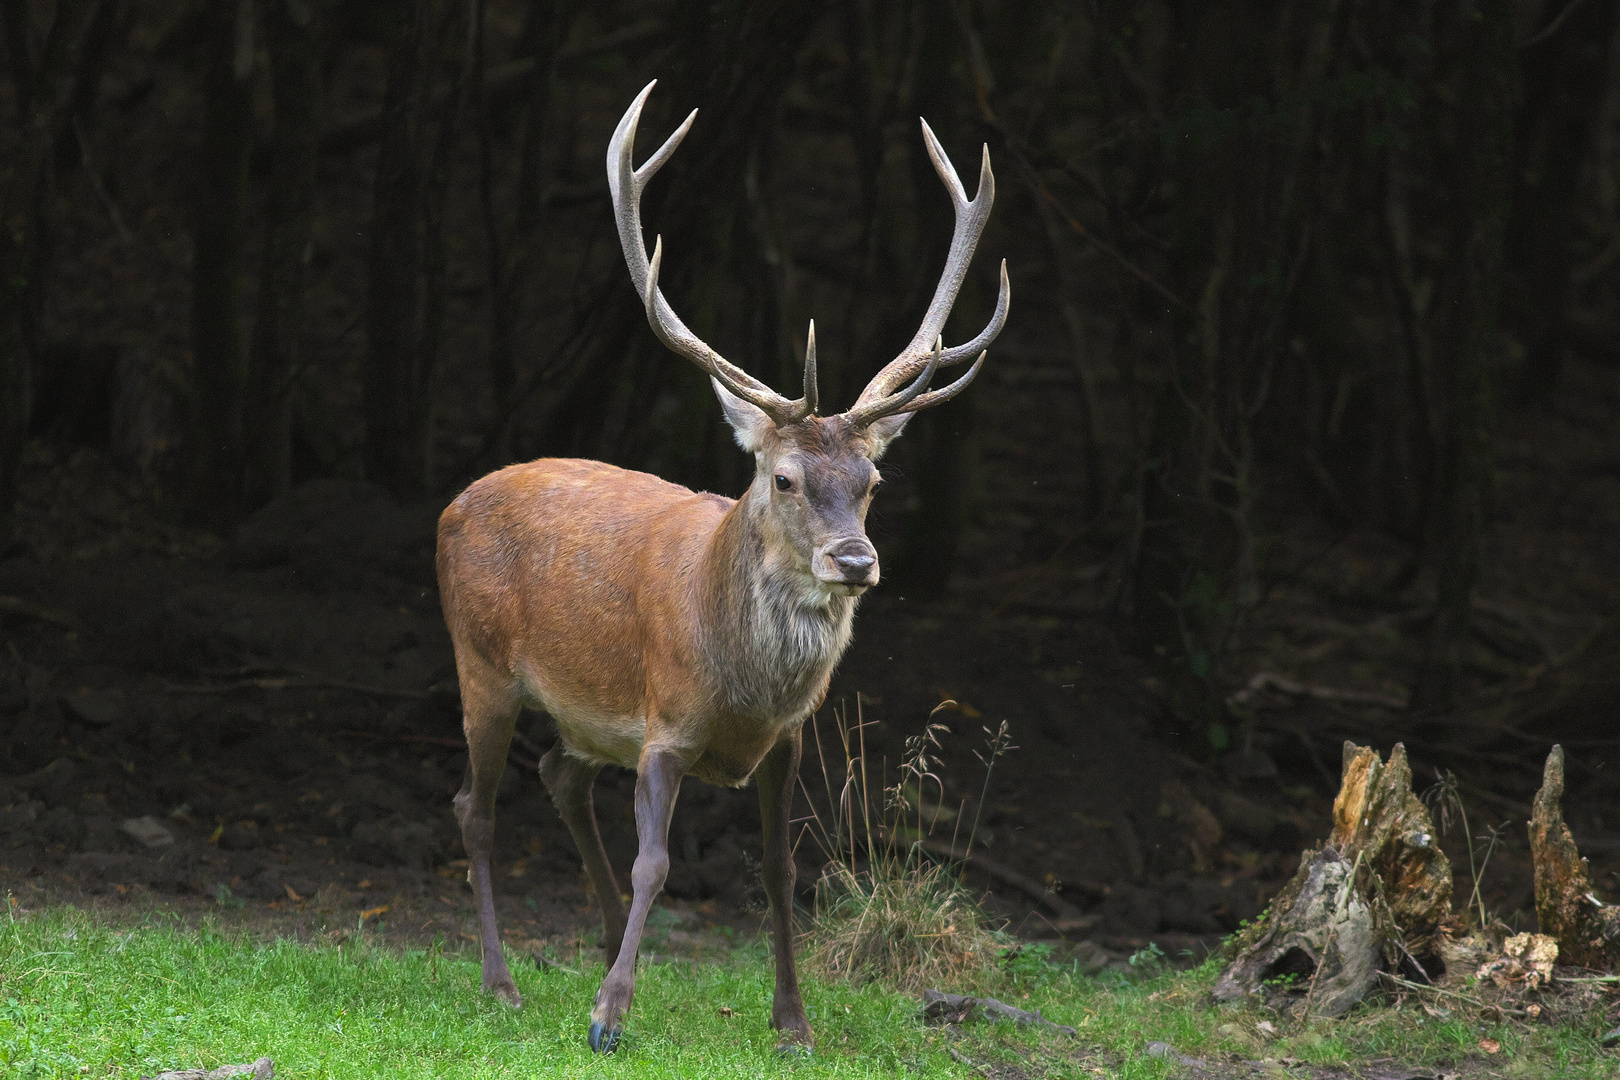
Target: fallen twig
<point>16,605</point>
<point>956,1008</point>
<point>664,958</point>
<point>528,744</point>
<point>1466,999</point>
<point>544,963</point>
<point>1166,1051</point>
<point>1065,911</point>
<point>432,740</point>
<point>1344,633</point>
<point>1270,679</point>
<point>294,680</point>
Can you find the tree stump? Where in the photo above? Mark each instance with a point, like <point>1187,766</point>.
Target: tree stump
<point>1376,894</point>
<point>1586,929</point>
<point>1319,949</point>
<point>1377,816</point>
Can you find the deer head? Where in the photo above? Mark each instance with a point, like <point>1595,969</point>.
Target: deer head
<point>814,476</point>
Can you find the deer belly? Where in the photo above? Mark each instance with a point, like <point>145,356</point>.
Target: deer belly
<point>736,750</point>
<point>602,724</point>
<point>601,738</point>
<point>723,769</point>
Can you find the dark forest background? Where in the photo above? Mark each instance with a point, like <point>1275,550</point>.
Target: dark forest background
<point>1316,304</point>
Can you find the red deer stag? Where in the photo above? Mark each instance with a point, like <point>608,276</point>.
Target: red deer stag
<point>672,632</point>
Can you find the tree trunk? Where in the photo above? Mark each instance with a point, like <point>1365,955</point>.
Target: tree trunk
<point>1565,75</point>
<point>46,74</point>
<point>219,273</point>
<point>1467,339</point>
<point>296,50</point>
<point>940,448</point>
<point>22,212</point>
<point>1246,186</point>
<point>405,300</point>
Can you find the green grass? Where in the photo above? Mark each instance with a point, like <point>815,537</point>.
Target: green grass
<point>81,995</point>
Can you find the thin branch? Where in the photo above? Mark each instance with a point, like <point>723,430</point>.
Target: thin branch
<point>500,84</point>
<point>1552,28</point>
<point>1019,149</point>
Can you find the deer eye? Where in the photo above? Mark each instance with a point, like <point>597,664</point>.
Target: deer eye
<point>783,483</point>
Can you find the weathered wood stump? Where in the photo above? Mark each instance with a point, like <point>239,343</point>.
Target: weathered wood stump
<point>1375,895</point>
<point>1586,929</point>
<point>1376,816</point>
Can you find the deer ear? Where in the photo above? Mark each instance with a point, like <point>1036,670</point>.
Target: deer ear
<point>885,430</point>
<point>748,422</point>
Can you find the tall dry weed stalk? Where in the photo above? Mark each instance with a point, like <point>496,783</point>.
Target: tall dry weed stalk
<point>1445,799</point>
<point>885,909</point>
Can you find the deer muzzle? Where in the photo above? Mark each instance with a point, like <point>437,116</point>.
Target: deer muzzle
<point>851,562</point>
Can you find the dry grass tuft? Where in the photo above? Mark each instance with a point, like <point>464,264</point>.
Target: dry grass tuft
<point>885,910</point>
<point>907,924</point>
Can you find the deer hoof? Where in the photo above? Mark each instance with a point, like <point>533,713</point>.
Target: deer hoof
<point>788,1048</point>
<point>507,993</point>
<point>603,1039</point>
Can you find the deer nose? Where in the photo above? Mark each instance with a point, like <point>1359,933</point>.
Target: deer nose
<point>850,561</point>
<point>854,566</point>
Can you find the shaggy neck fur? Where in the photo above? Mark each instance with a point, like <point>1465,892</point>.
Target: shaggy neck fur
<point>771,632</point>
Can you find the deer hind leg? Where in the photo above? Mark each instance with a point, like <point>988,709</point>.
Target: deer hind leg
<point>568,779</point>
<point>488,715</point>
<point>658,781</point>
<point>775,778</point>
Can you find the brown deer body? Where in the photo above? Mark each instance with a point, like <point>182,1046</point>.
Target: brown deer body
<point>672,632</point>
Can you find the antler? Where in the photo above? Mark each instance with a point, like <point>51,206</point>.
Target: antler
<point>626,183</point>
<point>926,353</point>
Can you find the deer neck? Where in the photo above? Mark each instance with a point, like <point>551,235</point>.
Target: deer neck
<point>771,633</point>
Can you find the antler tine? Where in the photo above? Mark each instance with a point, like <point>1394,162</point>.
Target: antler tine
<point>971,217</point>
<point>958,353</point>
<point>861,415</point>
<point>625,184</point>
<point>812,395</point>
<point>945,393</point>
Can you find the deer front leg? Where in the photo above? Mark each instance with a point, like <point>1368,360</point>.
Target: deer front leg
<point>775,778</point>
<point>658,781</point>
